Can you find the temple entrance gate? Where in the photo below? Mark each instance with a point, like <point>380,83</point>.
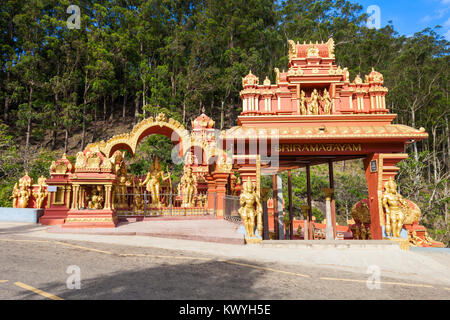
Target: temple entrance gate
<point>98,189</point>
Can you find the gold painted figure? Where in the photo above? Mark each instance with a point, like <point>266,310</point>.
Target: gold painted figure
<point>153,180</point>
<point>24,193</point>
<point>415,240</point>
<point>15,195</point>
<point>121,192</point>
<point>138,203</point>
<point>24,196</point>
<point>326,102</point>
<point>393,204</point>
<point>251,208</point>
<point>41,194</point>
<point>97,198</point>
<point>302,103</point>
<point>313,105</point>
<point>188,188</point>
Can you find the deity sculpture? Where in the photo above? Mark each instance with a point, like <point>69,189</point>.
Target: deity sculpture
<point>15,195</point>
<point>302,103</point>
<point>393,204</point>
<point>250,209</point>
<point>97,198</point>
<point>121,192</point>
<point>81,160</point>
<point>42,192</point>
<point>23,194</point>
<point>188,188</point>
<point>313,51</point>
<point>313,106</point>
<point>326,102</point>
<point>358,80</point>
<point>152,182</point>
<point>415,240</point>
<point>138,204</point>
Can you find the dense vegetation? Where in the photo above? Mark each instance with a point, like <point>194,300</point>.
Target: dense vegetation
<point>62,88</point>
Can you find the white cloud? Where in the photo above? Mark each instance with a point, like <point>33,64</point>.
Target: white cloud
<point>447,23</point>
<point>427,18</point>
<point>445,1</point>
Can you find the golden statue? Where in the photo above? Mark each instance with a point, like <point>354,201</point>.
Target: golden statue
<point>81,160</point>
<point>97,198</point>
<point>251,208</point>
<point>138,204</point>
<point>415,240</point>
<point>313,106</point>
<point>152,181</point>
<point>302,103</point>
<point>23,194</point>
<point>394,206</point>
<point>15,195</point>
<point>188,188</point>
<point>326,102</point>
<point>121,192</point>
<point>42,192</point>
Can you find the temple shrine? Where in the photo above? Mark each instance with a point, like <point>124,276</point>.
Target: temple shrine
<point>312,114</point>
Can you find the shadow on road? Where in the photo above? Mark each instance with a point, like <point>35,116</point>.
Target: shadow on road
<point>23,228</point>
<point>196,280</point>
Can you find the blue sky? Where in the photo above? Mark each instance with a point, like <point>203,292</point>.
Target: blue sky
<point>412,16</point>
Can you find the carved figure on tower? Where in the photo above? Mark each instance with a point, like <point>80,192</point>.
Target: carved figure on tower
<point>313,105</point>
<point>326,102</point>
<point>302,103</point>
<point>250,209</point>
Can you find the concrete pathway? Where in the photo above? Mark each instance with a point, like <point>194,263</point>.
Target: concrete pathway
<point>207,229</point>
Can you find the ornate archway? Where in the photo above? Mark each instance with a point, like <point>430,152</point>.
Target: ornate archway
<point>170,128</point>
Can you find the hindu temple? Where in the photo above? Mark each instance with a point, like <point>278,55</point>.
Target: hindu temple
<point>311,114</point>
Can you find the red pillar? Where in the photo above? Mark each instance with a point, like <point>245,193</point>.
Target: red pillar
<point>275,207</point>
<point>308,190</point>
<point>291,214</point>
<point>372,167</point>
<point>221,180</point>
<point>333,204</point>
<point>379,168</point>
<point>211,193</point>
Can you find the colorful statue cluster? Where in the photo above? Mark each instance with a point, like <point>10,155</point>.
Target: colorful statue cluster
<point>250,210</point>
<point>316,102</point>
<point>23,192</point>
<point>97,198</point>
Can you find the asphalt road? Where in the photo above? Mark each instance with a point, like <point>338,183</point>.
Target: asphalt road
<point>33,268</point>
